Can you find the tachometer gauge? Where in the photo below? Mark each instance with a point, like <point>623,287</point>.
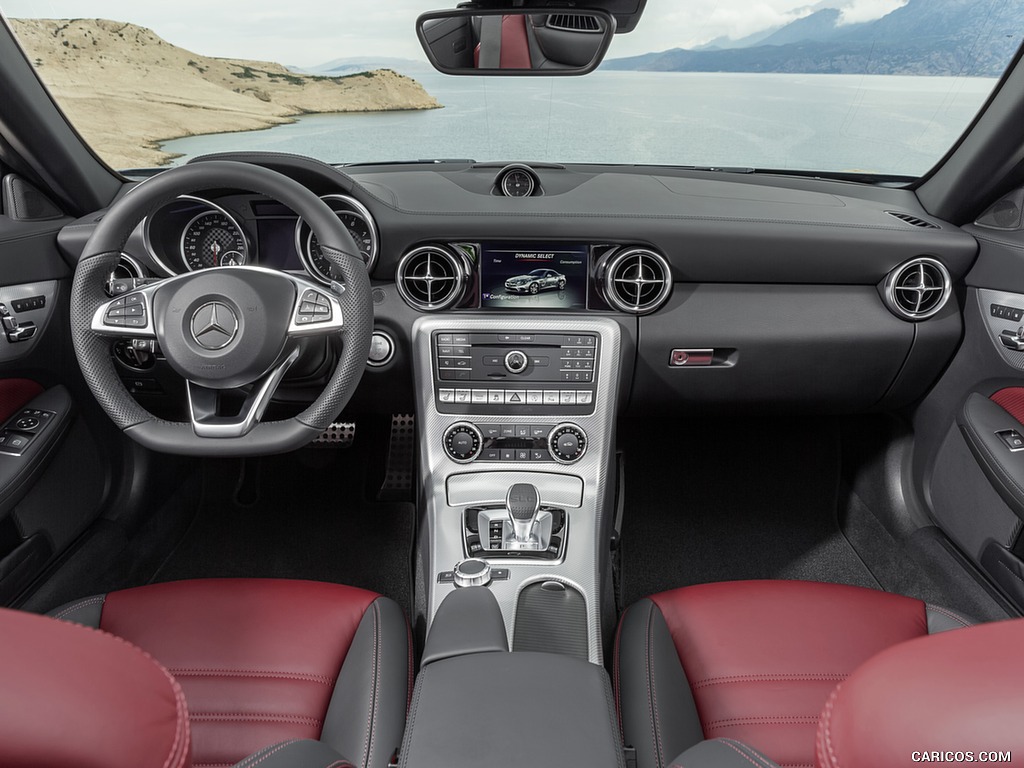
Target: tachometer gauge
<point>357,221</point>
<point>213,239</point>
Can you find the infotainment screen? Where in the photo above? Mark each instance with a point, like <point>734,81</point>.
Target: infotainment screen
<point>542,276</point>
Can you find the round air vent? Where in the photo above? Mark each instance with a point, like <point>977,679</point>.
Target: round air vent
<point>432,278</point>
<point>917,289</point>
<point>635,280</point>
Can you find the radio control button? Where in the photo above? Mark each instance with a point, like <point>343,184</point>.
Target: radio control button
<point>460,338</point>
<point>534,397</point>
<point>444,338</point>
<point>550,397</point>
<point>496,396</point>
<point>516,361</point>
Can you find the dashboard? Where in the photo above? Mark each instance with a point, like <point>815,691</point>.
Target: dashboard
<point>732,291</point>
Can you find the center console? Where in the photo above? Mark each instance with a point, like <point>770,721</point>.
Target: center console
<point>516,418</point>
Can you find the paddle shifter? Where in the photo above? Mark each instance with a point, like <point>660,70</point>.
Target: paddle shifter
<point>523,503</point>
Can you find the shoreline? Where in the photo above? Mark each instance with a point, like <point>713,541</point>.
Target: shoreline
<point>156,146</point>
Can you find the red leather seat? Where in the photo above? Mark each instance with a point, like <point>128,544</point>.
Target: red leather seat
<point>932,700</point>
<point>264,661</point>
<point>751,663</point>
<point>74,696</point>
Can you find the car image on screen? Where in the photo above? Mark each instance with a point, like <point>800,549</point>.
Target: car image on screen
<point>536,281</point>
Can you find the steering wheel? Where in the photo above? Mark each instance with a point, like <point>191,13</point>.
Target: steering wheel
<point>222,329</point>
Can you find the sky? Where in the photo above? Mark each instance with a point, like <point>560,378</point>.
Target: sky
<point>307,33</point>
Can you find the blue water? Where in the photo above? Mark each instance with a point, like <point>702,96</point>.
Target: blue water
<point>871,123</point>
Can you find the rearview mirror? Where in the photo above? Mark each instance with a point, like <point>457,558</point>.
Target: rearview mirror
<point>515,41</point>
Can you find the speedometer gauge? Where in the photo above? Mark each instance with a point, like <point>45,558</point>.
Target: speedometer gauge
<point>213,239</point>
<point>357,221</point>
<point>360,231</point>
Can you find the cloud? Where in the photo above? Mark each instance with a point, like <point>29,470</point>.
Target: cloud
<point>859,11</point>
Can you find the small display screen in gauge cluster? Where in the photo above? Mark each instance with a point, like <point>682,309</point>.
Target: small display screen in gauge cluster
<point>533,276</point>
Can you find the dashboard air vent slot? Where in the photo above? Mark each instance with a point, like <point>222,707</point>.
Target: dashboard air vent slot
<point>917,289</point>
<point>432,278</point>
<point>635,280</point>
<point>573,22</point>
<point>913,221</point>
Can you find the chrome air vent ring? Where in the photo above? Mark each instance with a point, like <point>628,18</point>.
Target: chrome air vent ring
<point>917,289</point>
<point>432,278</point>
<point>635,280</point>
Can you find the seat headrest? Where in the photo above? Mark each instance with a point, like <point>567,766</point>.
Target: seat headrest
<point>951,693</point>
<point>71,695</point>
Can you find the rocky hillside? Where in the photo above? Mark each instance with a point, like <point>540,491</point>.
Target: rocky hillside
<point>922,37</point>
<point>126,89</point>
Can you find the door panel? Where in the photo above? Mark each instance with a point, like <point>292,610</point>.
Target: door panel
<point>969,434</point>
<point>53,474</point>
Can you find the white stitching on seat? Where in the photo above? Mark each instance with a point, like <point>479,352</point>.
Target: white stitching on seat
<point>652,694</point>
<point>375,666</point>
<point>80,604</point>
<point>948,613</point>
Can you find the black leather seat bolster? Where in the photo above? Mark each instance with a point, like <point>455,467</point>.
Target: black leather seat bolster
<point>942,619</point>
<point>657,713</point>
<point>303,753</point>
<point>86,611</point>
<point>721,753</point>
<point>366,716</point>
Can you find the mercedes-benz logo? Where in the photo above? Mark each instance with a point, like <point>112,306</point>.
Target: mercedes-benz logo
<point>214,325</point>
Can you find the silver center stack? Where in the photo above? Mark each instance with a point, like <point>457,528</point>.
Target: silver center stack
<point>537,511</point>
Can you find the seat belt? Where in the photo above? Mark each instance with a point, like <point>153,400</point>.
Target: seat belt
<point>490,42</point>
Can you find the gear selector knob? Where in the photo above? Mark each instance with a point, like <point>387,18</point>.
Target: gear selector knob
<point>523,503</point>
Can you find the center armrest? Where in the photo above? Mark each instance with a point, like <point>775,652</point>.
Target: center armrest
<point>509,710</point>
<point>467,621</point>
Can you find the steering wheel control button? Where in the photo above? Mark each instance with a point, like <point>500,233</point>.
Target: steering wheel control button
<point>516,361</point>
<point>127,312</point>
<point>473,573</point>
<point>567,443</point>
<point>463,442</point>
<point>382,349</point>
<point>314,307</point>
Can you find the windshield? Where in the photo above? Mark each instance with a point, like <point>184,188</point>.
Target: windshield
<point>845,86</point>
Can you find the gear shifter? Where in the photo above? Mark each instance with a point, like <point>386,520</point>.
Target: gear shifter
<point>523,503</point>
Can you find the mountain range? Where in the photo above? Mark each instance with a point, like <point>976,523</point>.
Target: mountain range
<point>923,37</point>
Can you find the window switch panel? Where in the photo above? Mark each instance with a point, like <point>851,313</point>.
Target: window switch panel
<point>1013,439</point>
